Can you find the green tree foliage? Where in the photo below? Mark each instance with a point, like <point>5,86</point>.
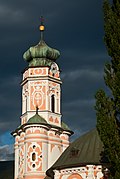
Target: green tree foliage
<point>108,107</point>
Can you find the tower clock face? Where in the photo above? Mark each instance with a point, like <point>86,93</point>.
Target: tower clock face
<point>54,68</point>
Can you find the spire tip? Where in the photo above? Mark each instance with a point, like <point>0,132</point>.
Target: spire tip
<point>42,28</point>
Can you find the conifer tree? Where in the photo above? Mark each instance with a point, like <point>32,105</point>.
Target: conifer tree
<point>108,106</point>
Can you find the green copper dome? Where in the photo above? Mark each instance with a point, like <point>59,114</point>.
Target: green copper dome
<point>65,126</point>
<point>41,55</point>
<point>37,119</point>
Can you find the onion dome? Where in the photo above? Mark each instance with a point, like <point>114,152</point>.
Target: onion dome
<point>41,54</point>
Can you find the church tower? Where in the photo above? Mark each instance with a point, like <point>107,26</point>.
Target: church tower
<point>42,136</point>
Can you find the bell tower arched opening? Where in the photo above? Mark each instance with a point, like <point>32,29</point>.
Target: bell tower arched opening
<point>53,103</point>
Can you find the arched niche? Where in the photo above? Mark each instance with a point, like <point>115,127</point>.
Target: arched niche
<point>75,176</point>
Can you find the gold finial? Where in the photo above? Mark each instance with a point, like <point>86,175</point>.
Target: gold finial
<point>42,28</point>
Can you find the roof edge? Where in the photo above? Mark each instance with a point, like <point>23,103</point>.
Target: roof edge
<point>50,172</point>
<point>22,127</point>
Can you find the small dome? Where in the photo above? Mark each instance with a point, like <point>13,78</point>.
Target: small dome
<point>65,126</point>
<point>36,119</point>
<point>41,55</point>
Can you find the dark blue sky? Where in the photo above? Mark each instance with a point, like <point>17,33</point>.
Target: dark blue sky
<point>75,28</point>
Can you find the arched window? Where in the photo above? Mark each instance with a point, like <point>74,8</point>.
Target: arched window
<point>75,176</point>
<point>53,103</point>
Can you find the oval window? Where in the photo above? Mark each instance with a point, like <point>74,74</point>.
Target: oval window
<point>33,156</point>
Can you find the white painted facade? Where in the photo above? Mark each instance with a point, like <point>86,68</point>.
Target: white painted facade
<point>86,172</point>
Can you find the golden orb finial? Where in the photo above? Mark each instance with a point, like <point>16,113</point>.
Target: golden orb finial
<point>42,28</point>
